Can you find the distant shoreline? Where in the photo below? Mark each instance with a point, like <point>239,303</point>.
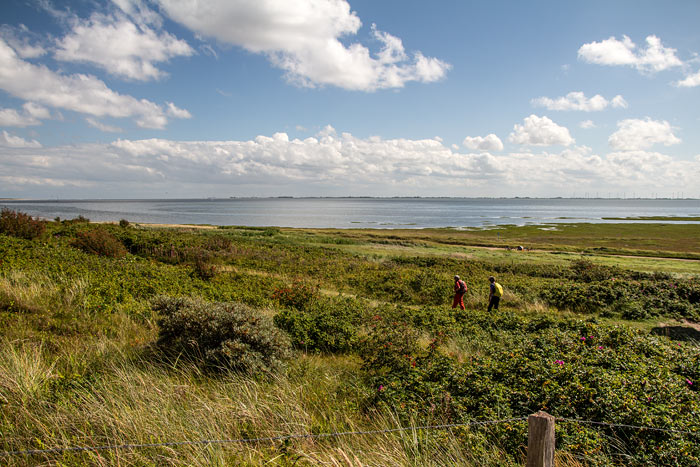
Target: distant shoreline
<point>93,200</point>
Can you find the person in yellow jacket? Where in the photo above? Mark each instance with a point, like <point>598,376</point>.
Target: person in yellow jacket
<point>495,293</point>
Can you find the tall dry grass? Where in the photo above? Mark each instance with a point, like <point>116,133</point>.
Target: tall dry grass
<point>132,401</point>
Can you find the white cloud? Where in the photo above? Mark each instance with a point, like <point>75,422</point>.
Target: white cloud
<point>619,102</point>
<point>12,141</point>
<point>22,40</point>
<point>138,11</point>
<point>304,39</point>
<point>540,131</point>
<point>634,134</point>
<point>689,81</point>
<point>31,115</point>
<point>279,164</point>
<point>577,100</point>
<point>586,124</point>
<point>120,47</point>
<point>489,142</point>
<point>655,57</point>
<point>78,92</point>
<point>176,112</point>
<point>103,127</point>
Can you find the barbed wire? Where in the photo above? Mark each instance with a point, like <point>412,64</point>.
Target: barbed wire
<point>59,450</point>
<point>253,440</point>
<point>622,425</point>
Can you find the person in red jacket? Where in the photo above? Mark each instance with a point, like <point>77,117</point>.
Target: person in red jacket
<point>460,290</point>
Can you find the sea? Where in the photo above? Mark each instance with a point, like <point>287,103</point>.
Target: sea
<point>348,213</point>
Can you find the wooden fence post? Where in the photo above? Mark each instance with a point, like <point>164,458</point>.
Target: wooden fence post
<point>540,440</point>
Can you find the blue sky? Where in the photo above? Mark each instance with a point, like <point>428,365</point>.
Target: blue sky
<point>176,98</point>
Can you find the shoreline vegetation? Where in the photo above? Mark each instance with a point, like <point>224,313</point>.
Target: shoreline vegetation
<point>125,333</point>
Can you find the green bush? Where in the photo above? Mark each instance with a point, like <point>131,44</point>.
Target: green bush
<point>299,295</point>
<point>203,268</point>
<point>220,335</point>
<point>99,242</point>
<point>328,325</point>
<point>21,225</point>
<point>571,369</point>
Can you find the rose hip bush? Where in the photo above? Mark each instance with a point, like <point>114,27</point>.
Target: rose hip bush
<point>570,368</point>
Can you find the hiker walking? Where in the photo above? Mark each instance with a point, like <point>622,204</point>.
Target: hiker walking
<point>495,293</point>
<point>460,290</point>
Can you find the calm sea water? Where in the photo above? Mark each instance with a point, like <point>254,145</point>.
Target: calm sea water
<point>357,212</point>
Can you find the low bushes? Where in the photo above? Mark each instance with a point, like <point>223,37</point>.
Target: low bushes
<point>21,225</point>
<point>326,325</point>
<point>593,288</point>
<point>220,335</point>
<point>99,242</point>
<point>570,368</point>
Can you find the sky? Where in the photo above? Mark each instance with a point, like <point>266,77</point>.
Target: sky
<point>128,99</point>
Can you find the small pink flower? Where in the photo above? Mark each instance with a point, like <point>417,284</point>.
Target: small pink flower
<point>381,387</point>
<point>583,338</point>
<point>559,362</point>
<point>689,382</point>
<point>600,347</point>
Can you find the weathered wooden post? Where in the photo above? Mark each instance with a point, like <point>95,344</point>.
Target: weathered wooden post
<point>540,440</point>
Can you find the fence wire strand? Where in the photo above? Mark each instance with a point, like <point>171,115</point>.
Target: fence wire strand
<point>59,450</point>
<point>27,452</point>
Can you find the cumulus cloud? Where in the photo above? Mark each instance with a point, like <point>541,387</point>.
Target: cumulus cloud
<point>12,141</point>
<point>635,134</point>
<point>655,57</point>
<point>689,81</point>
<point>540,131</point>
<point>78,92</point>
<point>586,124</point>
<point>331,160</point>
<point>120,47</point>
<point>307,39</point>
<point>31,115</point>
<point>103,127</point>
<point>577,100</point>
<point>177,112</point>
<point>486,143</point>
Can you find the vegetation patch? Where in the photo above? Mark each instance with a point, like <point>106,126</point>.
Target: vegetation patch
<point>19,224</point>
<point>220,335</point>
<point>357,334</point>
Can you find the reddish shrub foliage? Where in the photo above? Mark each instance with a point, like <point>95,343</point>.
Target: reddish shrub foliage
<point>99,242</point>
<point>19,224</point>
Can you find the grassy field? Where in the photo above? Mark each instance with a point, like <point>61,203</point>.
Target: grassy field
<point>598,322</point>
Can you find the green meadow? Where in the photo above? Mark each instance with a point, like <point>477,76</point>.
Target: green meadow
<point>125,334</point>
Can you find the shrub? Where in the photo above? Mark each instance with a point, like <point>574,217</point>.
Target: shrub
<point>21,225</point>
<point>124,223</point>
<point>220,335</point>
<point>202,266</point>
<point>99,242</point>
<point>328,325</point>
<point>299,295</point>
<point>571,369</point>
<point>584,270</point>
